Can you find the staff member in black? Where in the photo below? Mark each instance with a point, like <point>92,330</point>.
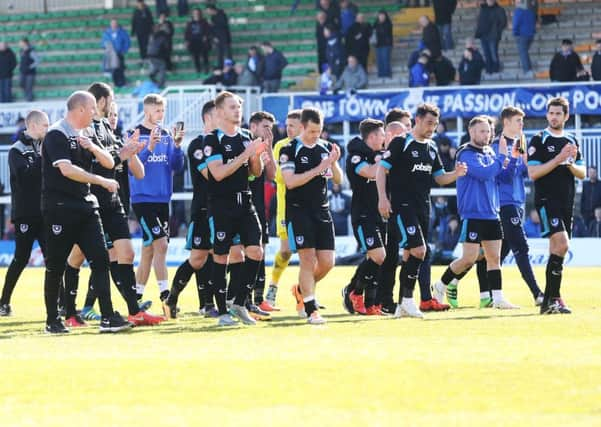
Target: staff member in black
<point>70,211</point>
<point>25,166</point>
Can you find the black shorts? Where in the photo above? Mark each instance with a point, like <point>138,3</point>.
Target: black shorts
<point>555,217</point>
<point>65,227</point>
<point>411,227</point>
<point>369,232</point>
<point>114,224</point>
<point>227,220</point>
<point>480,230</point>
<point>309,229</point>
<point>199,232</point>
<point>154,220</point>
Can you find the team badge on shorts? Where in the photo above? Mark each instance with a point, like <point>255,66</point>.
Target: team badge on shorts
<point>300,240</point>
<point>156,230</point>
<point>411,230</point>
<point>473,235</point>
<point>369,241</point>
<point>23,228</point>
<point>220,235</point>
<point>515,220</point>
<point>197,240</point>
<point>57,229</point>
<point>554,222</point>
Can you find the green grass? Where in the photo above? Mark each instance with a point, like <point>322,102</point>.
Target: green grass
<point>465,367</point>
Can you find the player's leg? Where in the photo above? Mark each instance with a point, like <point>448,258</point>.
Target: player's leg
<point>71,280</point>
<point>235,263</point>
<point>306,280</point>
<point>388,271</point>
<point>91,241</point>
<point>182,276</point>
<point>557,226</point>
<point>221,239</point>
<point>282,257</point>
<point>25,235</point>
<point>61,228</point>
<point>492,253</point>
<point>259,290</point>
<point>205,289</point>
<point>481,272</point>
<point>514,239</point>
<point>447,285</point>
<point>147,219</point>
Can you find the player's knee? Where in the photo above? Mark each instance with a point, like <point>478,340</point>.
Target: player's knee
<point>419,252</point>
<point>285,254</point>
<point>378,256</point>
<point>197,260</point>
<point>254,252</point>
<point>160,246</point>
<point>126,255</point>
<point>220,259</point>
<point>325,263</point>
<point>99,261</point>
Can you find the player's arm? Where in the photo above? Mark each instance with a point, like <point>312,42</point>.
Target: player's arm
<point>129,153</point>
<point>443,177</point>
<point>293,179</point>
<point>220,170</point>
<point>255,165</point>
<point>136,167</point>
<point>19,165</point>
<point>102,156</point>
<point>578,170</point>
<point>269,162</point>
<point>537,169</point>
<point>336,173</point>
<point>75,173</point>
<point>383,203</point>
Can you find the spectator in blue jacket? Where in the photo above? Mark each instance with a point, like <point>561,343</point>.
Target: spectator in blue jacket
<point>532,226</point>
<point>334,51</point>
<point>419,75</point>
<point>274,63</point>
<point>348,14</point>
<point>524,29</point>
<point>116,37</point>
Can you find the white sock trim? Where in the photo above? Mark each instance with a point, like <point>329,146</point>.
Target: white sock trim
<point>163,285</point>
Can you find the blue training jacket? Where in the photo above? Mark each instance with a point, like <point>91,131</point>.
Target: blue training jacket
<point>477,192</point>
<point>512,190</point>
<point>159,166</point>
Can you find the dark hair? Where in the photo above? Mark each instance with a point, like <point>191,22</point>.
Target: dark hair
<point>598,41</point>
<point>259,116</point>
<point>567,41</point>
<point>559,101</point>
<point>207,108</point>
<point>479,119</point>
<point>312,115</point>
<point>424,109</point>
<point>368,126</point>
<point>396,115</point>
<point>211,6</point>
<point>220,99</point>
<point>100,90</point>
<point>25,40</point>
<point>266,43</point>
<point>294,114</point>
<point>510,112</point>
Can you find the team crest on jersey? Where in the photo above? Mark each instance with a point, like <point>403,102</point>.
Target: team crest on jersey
<point>378,158</point>
<point>355,159</point>
<point>156,230</point>
<point>515,220</point>
<point>220,235</point>
<point>24,228</point>
<point>57,229</point>
<point>473,235</point>
<point>554,222</point>
<point>197,240</point>
<point>432,155</point>
<point>386,154</point>
<point>208,150</point>
<point>415,154</point>
<point>551,148</point>
<point>227,147</point>
<point>73,143</point>
<point>411,230</point>
<point>198,154</point>
<point>300,240</point>
<point>369,241</point>
<point>283,158</point>
<point>304,159</point>
<point>531,151</point>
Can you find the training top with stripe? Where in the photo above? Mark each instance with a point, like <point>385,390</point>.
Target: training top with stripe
<point>559,184</point>
<point>220,146</point>
<point>198,163</point>
<point>365,193</point>
<point>411,165</point>
<point>25,164</point>
<point>301,158</point>
<point>477,191</point>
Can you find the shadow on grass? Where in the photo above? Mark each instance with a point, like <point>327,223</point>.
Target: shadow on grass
<point>480,317</point>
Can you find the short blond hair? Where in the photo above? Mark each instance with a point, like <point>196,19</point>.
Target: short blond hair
<point>154,99</point>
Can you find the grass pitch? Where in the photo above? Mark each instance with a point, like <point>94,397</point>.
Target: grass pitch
<point>464,367</point>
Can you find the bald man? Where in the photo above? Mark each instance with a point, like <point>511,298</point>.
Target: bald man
<point>70,211</point>
<point>25,163</point>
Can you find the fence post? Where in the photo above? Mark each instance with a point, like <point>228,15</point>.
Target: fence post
<point>578,126</point>
<point>459,130</point>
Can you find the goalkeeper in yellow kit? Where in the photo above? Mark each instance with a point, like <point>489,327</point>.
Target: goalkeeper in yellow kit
<point>293,129</point>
